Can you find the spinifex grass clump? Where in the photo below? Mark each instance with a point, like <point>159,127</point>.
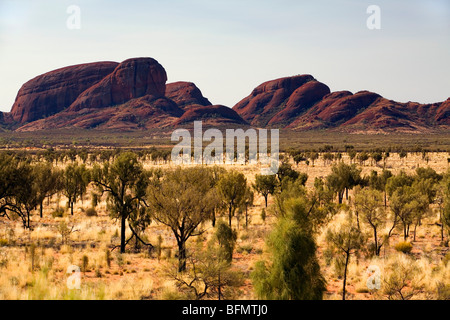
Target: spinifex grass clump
<point>404,247</point>
<point>108,258</point>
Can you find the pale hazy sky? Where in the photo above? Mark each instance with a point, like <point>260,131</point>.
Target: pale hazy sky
<point>228,47</point>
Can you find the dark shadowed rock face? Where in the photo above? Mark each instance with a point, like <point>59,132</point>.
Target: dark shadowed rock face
<point>266,105</point>
<point>302,103</point>
<point>131,79</point>
<point>6,119</point>
<point>442,115</point>
<point>141,113</point>
<point>54,91</point>
<point>367,112</point>
<point>186,94</point>
<point>299,101</point>
<point>210,115</point>
<point>347,107</point>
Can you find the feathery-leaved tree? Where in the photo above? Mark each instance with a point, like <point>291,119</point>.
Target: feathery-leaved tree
<point>182,200</point>
<point>47,181</point>
<point>265,185</point>
<point>292,271</point>
<point>369,204</point>
<point>74,182</point>
<point>342,178</point>
<point>17,190</point>
<point>232,187</point>
<point>124,181</point>
<point>443,201</point>
<point>402,205</point>
<point>345,240</point>
<point>249,197</point>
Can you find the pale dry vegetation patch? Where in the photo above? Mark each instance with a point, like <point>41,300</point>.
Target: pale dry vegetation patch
<point>40,273</point>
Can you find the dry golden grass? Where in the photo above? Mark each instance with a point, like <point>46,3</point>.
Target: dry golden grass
<point>139,276</point>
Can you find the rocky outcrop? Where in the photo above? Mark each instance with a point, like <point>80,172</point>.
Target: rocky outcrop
<point>215,115</point>
<point>312,106</point>
<point>299,101</point>
<point>268,103</point>
<point>141,113</point>
<point>334,109</point>
<point>369,112</point>
<point>133,78</point>
<point>442,115</point>
<point>186,94</point>
<point>130,97</point>
<point>56,90</point>
<point>133,95</point>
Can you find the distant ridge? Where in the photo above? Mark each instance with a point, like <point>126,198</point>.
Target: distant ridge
<point>133,95</point>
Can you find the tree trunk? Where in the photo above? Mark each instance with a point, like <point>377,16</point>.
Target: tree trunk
<point>213,218</point>
<point>28,219</point>
<point>71,208</point>
<point>265,198</point>
<point>181,255</point>
<point>340,196</point>
<point>377,253</point>
<point>122,234</point>
<point>345,275</point>
<point>404,231</point>
<point>229,215</point>
<point>246,220</point>
<point>357,220</point>
<point>40,208</point>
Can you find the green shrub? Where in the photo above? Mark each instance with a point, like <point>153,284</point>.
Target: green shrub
<point>263,215</point>
<point>446,259</point>
<point>226,238</point>
<point>84,263</point>
<point>3,242</point>
<point>245,248</point>
<point>108,258</point>
<point>404,247</point>
<point>58,213</point>
<point>244,236</point>
<point>362,290</point>
<point>91,212</point>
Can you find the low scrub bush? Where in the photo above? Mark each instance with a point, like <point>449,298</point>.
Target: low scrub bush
<point>404,247</point>
<point>91,212</point>
<point>58,213</point>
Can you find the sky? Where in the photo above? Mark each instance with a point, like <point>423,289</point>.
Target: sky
<point>229,47</point>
